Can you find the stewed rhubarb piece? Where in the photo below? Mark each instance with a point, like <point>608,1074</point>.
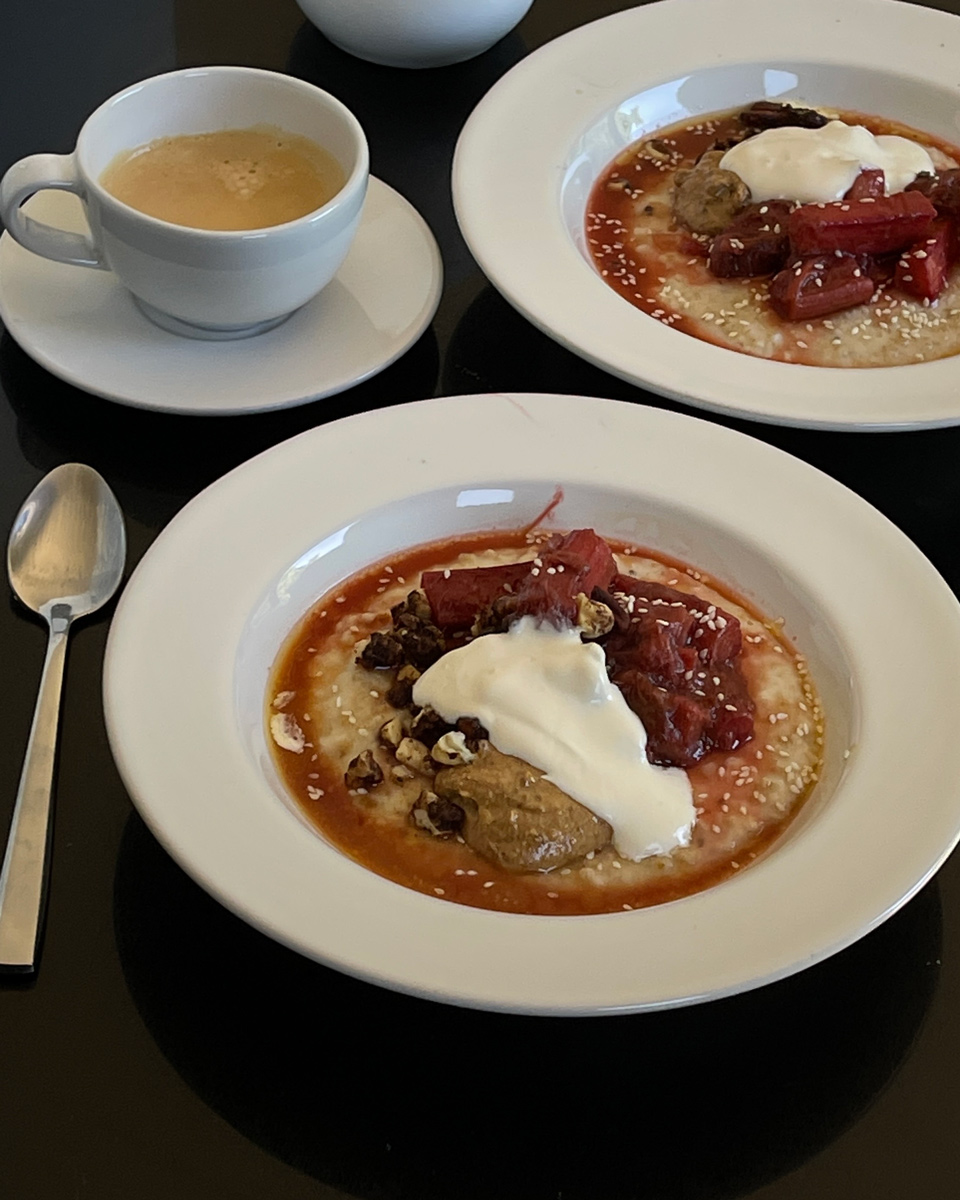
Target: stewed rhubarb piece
<point>819,285</point>
<point>676,661</point>
<point>546,586</point>
<point>455,597</point>
<point>869,184</point>
<point>943,191</point>
<point>754,243</point>
<point>923,269</point>
<point>565,565</point>
<point>867,226</point>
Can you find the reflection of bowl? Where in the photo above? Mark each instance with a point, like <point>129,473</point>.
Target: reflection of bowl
<point>202,620</point>
<point>251,1035</point>
<point>431,33</point>
<point>535,144</point>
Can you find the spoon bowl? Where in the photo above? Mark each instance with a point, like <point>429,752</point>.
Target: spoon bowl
<point>65,559</point>
<point>67,544</point>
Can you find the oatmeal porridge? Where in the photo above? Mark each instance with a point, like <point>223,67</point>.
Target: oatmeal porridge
<point>484,792</point>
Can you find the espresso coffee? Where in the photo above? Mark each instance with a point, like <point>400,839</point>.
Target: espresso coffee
<point>231,179</point>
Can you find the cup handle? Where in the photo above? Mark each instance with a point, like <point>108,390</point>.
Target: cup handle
<point>31,175</point>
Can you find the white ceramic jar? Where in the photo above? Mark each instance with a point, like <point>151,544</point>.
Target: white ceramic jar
<point>204,283</point>
<point>415,33</point>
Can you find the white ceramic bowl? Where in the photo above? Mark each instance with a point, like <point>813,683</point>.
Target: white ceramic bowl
<point>535,144</point>
<point>211,603</point>
<point>415,33</point>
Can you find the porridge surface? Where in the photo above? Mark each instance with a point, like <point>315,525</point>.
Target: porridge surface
<point>661,268</point>
<point>334,708</point>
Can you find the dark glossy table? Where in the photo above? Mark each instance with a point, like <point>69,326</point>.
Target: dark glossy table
<point>166,1051</point>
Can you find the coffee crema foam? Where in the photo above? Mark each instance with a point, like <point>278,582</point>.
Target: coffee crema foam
<point>229,179</point>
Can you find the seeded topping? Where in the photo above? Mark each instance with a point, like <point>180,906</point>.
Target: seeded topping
<point>910,315</point>
<point>394,825</point>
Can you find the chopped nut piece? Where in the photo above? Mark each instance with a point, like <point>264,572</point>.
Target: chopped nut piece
<point>416,605</point>
<point>415,755</point>
<point>657,149</point>
<point>282,699</point>
<point>436,816</point>
<point>400,773</point>
<point>400,692</point>
<point>287,733</point>
<point>495,617</point>
<point>621,617</point>
<point>382,650</point>
<point>428,726</point>
<point>451,750</point>
<point>422,645</point>
<point>594,619</point>
<point>392,732</point>
<point>419,815</point>
<point>473,732</point>
<point>363,771</point>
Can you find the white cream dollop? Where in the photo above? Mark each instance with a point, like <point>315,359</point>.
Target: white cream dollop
<point>544,696</point>
<point>815,166</point>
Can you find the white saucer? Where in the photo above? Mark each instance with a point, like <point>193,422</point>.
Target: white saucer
<point>84,327</point>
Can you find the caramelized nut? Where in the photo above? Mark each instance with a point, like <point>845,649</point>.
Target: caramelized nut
<point>435,815</point>
<point>363,771</point>
<point>392,732</point>
<point>415,755</point>
<point>657,149</point>
<point>287,733</point>
<point>594,619</point>
<point>452,750</point>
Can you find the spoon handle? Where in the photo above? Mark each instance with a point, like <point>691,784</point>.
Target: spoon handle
<point>24,873</point>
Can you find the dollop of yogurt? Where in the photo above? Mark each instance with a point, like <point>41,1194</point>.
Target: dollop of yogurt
<point>544,696</point>
<point>815,166</point>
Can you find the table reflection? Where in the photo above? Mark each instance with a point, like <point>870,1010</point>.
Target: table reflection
<point>385,1095</point>
<point>413,151</point>
<point>909,477</point>
<point>155,461</point>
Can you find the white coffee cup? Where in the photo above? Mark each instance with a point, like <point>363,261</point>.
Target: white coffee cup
<point>415,33</point>
<point>204,283</point>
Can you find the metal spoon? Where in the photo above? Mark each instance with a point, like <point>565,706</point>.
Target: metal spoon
<point>65,559</point>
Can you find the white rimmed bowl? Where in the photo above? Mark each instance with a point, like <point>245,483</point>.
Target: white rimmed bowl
<point>209,606</point>
<point>427,33</point>
<point>534,145</point>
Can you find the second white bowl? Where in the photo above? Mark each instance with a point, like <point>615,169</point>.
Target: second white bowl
<point>414,33</point>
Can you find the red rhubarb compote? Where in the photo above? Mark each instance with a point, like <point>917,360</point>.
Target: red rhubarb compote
<point>866,277</point>
<point>722,695</point>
